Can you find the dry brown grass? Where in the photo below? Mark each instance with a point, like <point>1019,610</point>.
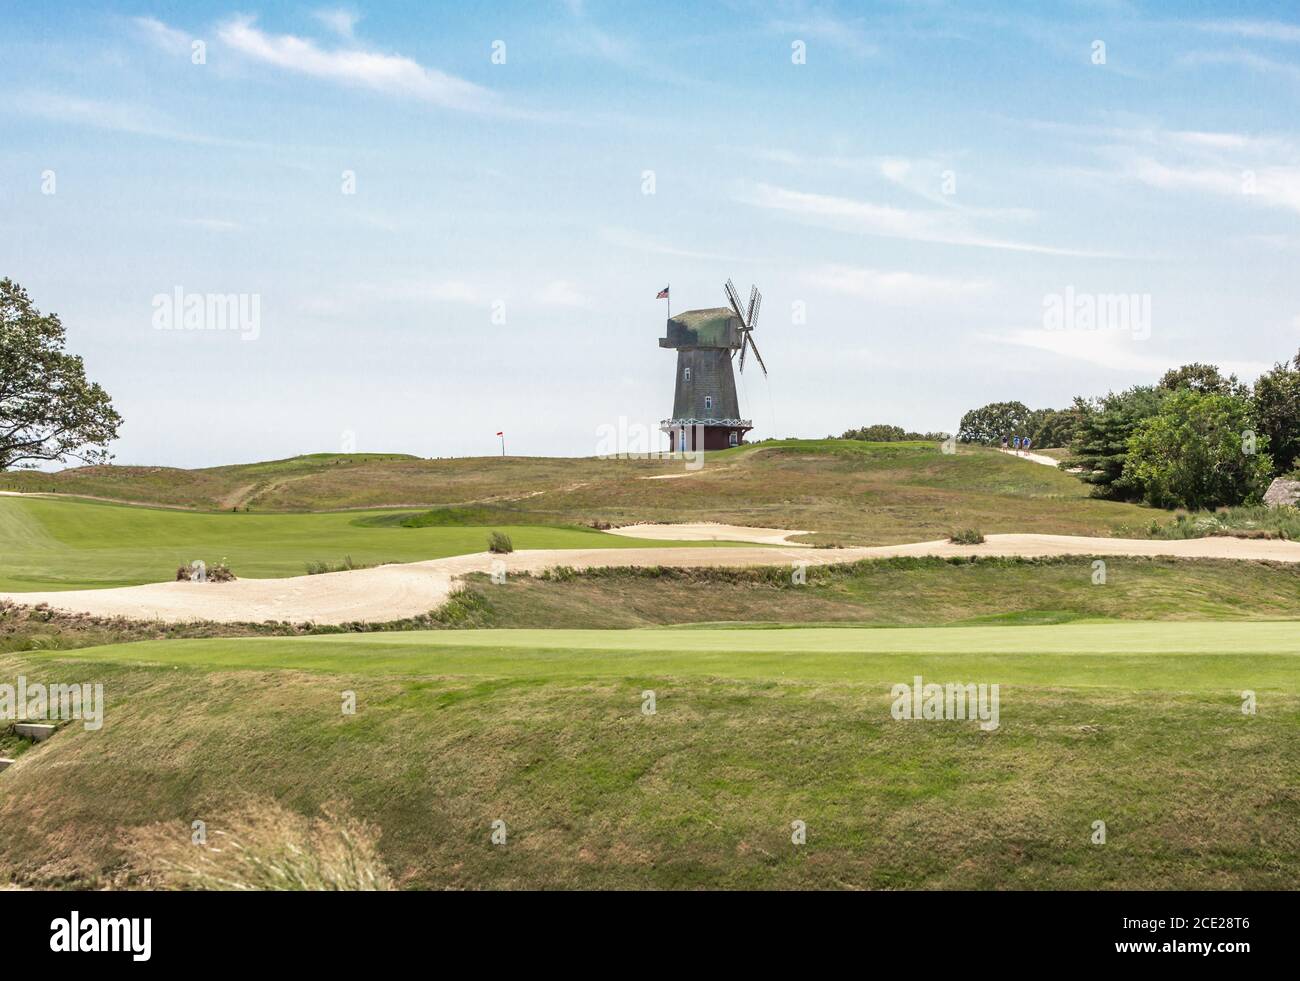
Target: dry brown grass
<point>263,847</point>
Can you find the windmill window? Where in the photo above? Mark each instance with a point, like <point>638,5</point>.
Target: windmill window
<point>733,439</point>
<point>708,401</point>
<point>688,374</point>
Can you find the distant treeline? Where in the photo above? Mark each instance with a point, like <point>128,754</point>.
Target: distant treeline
<point>883,433</point>
<point>1195,439</point>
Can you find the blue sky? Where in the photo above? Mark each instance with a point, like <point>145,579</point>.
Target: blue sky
<point>908,198</point>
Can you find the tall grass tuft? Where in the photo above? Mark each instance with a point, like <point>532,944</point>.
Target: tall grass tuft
<point>265,847</point>
<point>1242,522</point>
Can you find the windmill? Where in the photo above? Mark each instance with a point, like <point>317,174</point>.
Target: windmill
<point>748,321</point>
<point>706,411</point>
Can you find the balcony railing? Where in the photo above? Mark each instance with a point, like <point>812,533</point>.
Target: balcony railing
<point>721,423</point>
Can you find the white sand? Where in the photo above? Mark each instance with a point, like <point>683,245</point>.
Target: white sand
<point>394,591</point>
<point>1046,461</point>
<point>710,531</point>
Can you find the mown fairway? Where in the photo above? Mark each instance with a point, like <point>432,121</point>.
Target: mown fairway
<point>57,544</point>
<point>1136,724</point>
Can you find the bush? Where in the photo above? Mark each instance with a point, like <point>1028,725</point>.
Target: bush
<point>500,543</point>
<point>1192,453</point>
<point>216,573</point>
<point>969,536</point>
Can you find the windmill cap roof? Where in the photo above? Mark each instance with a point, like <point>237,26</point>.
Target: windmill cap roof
<point>714,327</point>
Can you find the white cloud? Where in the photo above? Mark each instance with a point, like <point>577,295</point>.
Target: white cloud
<point>1112,349</point>
<point>120,117</point>
<point>561,293</point>
<point>392,74</point>
<point>341,21</point>
<point>942,226</point>
<point>835,32</point>
<point>894,287</point>
<point>1258,30</point>
<point>450,291</point>
<point>1246,59</point>
<point>1274,186</point>
<point>167,38</point>
<point>624,238</point>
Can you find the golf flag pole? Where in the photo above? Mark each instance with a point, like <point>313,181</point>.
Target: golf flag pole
<point>503,442</point>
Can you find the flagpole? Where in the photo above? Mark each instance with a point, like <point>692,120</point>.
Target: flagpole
<point>503,444</point>
<point>669,290</point>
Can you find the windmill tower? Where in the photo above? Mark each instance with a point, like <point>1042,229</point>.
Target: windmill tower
<point>706,412</point>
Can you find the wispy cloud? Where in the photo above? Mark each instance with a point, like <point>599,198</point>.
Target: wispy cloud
<point>391,74</point>
<point>1257,30</point>
<point>895,287</point>
<point>562,293</point>
<point>1245,59</point>
<point>638,242</point>
<point>162,36</point>
<point>1112,349</point>
<point>339,20</point>
<point>120,117</point>
<point>820,25</point>
<point>868,218</point>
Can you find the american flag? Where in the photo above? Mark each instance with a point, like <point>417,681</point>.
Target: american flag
<point>662,294</point>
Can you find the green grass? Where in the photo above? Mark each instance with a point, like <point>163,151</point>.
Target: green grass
<point>1246,522</point>
<point>847,491</point>
<point>1118,655</point>
<point>1138,725</point>
<point>898,592</point>
<point>53,544</point>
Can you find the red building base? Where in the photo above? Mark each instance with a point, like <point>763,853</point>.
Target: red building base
<point>705,437</point>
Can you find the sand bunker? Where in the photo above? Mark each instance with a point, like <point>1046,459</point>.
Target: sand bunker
<point>710,531</point>
<point>392,592</point>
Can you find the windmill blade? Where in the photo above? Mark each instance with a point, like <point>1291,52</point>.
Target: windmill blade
<point>750,338</point>
<point>734,299</point>
<point>753,301</point>
<point>742,353</point>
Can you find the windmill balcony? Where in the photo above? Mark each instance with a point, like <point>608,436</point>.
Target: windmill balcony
<point>731,423</point>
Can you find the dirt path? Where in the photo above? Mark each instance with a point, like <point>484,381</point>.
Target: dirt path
<point>394,591</point>
<point>1046,461</point>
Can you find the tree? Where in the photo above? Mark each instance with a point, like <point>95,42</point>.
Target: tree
<point>1100,447</point>
<point>1277,413</point>
<point>884,433</point>
<point>48,410</point>
<point>1201,378</point>
<point>1059,427</point>
<point>989,423</point>
<point>1194,453</point>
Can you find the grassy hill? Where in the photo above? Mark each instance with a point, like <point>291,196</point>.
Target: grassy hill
<point>78,544</point>
<point>845,490</point>
<point>1137,725</point>
<point>894,592</point>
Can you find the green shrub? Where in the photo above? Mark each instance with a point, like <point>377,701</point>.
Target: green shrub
<point>968,536</point>
<point>500,543</point>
